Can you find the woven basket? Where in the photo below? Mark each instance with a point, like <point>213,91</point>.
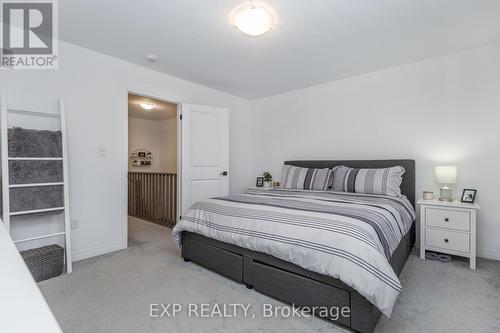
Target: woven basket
<point>44,262</point>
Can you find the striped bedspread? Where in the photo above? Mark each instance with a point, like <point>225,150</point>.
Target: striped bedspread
<point>348,236</point>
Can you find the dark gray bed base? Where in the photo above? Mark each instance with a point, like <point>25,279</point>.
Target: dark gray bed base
<point>290,283</point>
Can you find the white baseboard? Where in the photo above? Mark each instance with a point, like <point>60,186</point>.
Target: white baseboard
<point>97,251</point>
<point>488,253</point>
<point>100,250</point>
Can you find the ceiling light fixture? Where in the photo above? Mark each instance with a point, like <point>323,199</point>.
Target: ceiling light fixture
<point>147,106</point>
<point>253,20</point>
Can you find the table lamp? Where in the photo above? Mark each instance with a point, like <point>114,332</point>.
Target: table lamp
<point>446,175</point>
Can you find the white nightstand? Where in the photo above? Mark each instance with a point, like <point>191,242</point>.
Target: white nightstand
<point>448,227</point>
<point>254,188</point>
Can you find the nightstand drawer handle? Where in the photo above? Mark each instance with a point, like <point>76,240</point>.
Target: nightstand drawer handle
<point>446,219</point>
<point>446,240</point>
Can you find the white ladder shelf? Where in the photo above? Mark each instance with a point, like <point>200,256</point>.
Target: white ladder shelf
<point>5,110</point>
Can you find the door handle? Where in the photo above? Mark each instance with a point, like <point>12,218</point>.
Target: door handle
<point>223,173</point>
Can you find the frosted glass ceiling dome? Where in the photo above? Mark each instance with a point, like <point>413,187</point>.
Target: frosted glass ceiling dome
<point>253,20</point>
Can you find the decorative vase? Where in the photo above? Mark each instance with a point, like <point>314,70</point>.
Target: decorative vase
<point>268,184</point>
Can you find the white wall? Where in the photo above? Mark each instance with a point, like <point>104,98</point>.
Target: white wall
<point>158,137</point>
<point>94,87</point>
<point>444,110</point>
<point>438,111</point>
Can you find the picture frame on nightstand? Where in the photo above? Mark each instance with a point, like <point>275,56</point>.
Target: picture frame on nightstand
<point>469,195</point>
<point>259,182</point>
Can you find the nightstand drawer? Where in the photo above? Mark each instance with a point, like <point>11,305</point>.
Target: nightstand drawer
<point>449,240</point>
<point>449,219</point>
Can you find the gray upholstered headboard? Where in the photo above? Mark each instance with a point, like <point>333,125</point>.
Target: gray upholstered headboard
<point>407,186</point>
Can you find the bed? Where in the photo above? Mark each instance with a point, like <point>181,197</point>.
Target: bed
<point>362,272</point>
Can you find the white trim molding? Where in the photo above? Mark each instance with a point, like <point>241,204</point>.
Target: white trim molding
<point>97,251</point>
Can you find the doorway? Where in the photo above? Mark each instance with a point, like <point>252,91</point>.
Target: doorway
<point>201,160</point>
<point>152,160</point>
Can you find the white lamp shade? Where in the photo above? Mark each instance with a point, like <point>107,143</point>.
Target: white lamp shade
<point>446,174</point>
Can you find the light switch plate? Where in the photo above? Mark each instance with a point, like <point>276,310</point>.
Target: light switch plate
<point>102,151</point>
<point>75,223</point>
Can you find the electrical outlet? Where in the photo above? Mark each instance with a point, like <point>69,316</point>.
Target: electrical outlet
<point>102,151</point>
<point>75,223</point>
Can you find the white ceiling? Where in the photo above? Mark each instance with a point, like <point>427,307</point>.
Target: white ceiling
<point>161,111</point>
<point>315,41</point>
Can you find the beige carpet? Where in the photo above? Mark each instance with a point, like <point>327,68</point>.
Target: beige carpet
<point>113,293</point>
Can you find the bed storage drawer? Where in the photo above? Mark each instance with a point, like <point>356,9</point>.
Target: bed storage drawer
<point>221,261</point>
<point>295,289</point>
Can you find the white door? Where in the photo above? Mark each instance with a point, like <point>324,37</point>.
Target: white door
<point>204,153</point>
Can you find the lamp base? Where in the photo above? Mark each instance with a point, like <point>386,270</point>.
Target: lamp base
<point>445,194</point>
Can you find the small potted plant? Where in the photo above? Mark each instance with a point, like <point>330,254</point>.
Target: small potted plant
<point>268,179</point>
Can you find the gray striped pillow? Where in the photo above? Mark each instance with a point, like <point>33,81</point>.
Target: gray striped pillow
<point>385,181</point>
<point>304,178</point>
